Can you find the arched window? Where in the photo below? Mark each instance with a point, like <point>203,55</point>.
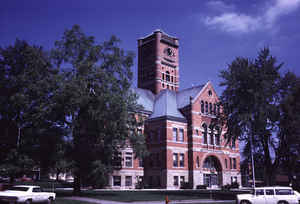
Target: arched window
<point>217,136</point>
<point>204,126</point>
<point>202,107</point>
<point>163,76</point>
<point>167,75</point>
<point>206,107</point>
<point>210,108</point>
<point>211,135</point>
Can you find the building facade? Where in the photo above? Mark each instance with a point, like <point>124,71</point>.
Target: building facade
<point>186,146</point>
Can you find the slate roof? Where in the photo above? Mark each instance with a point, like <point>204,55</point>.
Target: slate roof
<point>167,103</point>
<point>183,97</point>
<point>146,98</point>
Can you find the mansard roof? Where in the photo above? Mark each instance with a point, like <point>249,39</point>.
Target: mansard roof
<point>145,98</point>
<point>166,105</point>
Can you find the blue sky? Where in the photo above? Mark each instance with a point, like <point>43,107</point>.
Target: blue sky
<point>211,32</point>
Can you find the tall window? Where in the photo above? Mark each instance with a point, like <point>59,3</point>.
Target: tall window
<point>117,180</point>
<point>215,109</point>
<point>128,181</point>
<point>202,107</point>
<point>226,166</point>
<point>175,180</point>
<point>174,134</point>
<point>163,76</point>
<point>211,135</point>
<point>206,107</point>
<point>181,135</point>
<point>234,163</point>
<point>117,159</point>
<point>210,108</point>
<point>233,143</point>
<point>167,75</point>
<point>217,136</point>
<point>181,180</point>
<point>128,159</point>
<point>218,109</point>
<point>175,160</point>
<point>230,163</point>
<point>181,160</point>
<point>197,162</point>
<point>204,126</point>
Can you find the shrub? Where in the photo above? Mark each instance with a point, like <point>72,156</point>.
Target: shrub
<point>186,185</point>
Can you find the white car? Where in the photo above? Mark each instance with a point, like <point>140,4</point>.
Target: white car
<point>269,195</point>
<point>26,194</point>
<point>298,195</point>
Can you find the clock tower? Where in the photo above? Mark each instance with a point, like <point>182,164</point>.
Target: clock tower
<point>158,62</point>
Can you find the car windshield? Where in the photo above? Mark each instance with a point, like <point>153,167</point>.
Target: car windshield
<point>18,188</point>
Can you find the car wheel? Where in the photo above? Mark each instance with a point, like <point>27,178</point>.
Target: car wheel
<point>28,201</point>
<point>49,200</point>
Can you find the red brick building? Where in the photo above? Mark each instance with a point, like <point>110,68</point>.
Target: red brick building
<point>183,143</point>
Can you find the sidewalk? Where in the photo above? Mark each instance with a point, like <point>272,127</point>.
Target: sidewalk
<point>93,200</point>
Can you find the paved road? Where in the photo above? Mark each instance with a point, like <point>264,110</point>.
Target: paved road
<point>93,200</point>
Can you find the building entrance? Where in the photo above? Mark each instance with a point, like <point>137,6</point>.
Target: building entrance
<point>213,177</point>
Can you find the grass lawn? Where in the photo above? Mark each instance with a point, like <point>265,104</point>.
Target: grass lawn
<point>65,201</point>
<point>157,195</point>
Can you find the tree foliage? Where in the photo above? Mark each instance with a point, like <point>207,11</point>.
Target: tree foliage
<point>68,109</point>
<point>95,100</point>
<point>26,81</point>
<point>251,103</point>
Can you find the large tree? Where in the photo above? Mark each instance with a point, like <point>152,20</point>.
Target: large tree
<point>95,102</point>
<point>26,82</point>
<point>289,132</point>
<point>250,103</point>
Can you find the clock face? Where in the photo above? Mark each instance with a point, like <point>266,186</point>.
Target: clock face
<point>169,51</point>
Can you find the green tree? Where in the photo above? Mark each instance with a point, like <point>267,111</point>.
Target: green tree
<point>250,104</point>
<point>95,102</point>
<point>289,133</point>
<point>26,83</point>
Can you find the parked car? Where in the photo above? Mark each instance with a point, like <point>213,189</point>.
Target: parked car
<point>269,195</point>
<point>26,194</point>
<point>298,195</point>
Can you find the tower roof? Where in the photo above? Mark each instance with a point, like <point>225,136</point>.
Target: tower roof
<point>166,105</point>
<point>158,31</point>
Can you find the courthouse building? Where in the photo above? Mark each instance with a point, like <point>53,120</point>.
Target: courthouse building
<point>184,144</point>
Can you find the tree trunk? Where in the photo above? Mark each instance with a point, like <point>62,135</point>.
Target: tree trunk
<point>77,184</point>
<point>268,168</point>
<point>57,175</point>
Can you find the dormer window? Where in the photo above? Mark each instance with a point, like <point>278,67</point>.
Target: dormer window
<point>209,93</point>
